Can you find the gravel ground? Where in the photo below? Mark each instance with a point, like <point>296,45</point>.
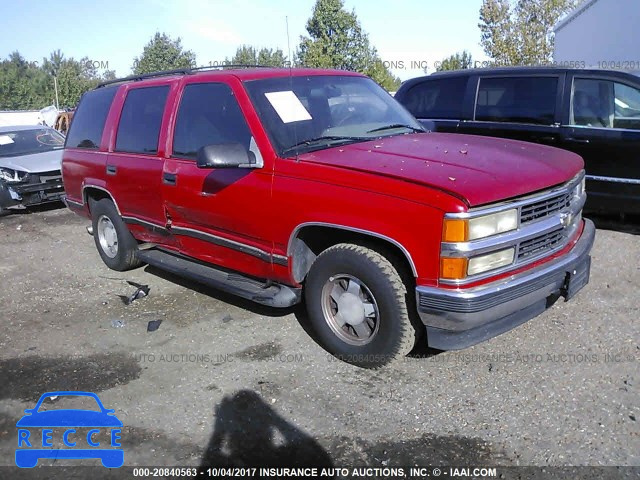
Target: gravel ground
<point>225,381</point>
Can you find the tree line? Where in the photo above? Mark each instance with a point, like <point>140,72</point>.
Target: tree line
<point>513,32</point>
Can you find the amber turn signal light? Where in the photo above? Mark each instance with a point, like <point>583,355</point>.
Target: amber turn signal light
<point>453,268</point>
<point>455,230</point>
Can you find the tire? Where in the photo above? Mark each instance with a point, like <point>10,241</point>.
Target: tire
<point>116,246</point>
<point>357,306</point>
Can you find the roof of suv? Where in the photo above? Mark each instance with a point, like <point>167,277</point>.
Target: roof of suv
<point>515,71</point>
<point>243,74</point>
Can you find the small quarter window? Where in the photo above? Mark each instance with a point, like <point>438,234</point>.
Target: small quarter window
<point>436,98</point>
<point>89,118</point>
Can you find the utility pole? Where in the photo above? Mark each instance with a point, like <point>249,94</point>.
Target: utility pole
<point>55,85</point>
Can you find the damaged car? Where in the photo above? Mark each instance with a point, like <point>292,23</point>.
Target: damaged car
<point>30,161</point>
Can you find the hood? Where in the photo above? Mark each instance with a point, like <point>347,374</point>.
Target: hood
<point>480,170</point>
<point>69,418</point>
<point>35,162</point>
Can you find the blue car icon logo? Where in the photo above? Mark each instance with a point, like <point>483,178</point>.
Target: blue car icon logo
<point>79,433</point>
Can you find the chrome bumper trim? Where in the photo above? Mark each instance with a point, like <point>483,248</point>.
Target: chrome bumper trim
<point>460,310</point>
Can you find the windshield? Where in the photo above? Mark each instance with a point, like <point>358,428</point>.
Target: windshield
<point>303,114</point>
<point>25,142</point>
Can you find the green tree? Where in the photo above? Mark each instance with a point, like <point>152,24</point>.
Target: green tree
<point>457,61</point>
<point>336,40</point>
<point>26,85</point>
<point>248,55</point>
<point>520,32</point>
<point>23,85</point>
<point>75,78</point>
<point>163,53</point>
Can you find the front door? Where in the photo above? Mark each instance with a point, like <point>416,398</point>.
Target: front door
<point>604,128</point>
<point>219,215</point>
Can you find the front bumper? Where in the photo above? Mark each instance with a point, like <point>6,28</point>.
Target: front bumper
<point>460,318</point>
<point>35,190</point>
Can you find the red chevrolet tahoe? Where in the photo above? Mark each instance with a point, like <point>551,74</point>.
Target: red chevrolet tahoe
<point>280,185</point>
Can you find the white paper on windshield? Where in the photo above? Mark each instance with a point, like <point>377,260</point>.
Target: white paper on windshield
<point>288,106</point>
<point>5,140</point>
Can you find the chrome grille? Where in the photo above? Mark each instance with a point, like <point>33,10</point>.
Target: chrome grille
<point>538,245</point>
<point>544,208</point>
<point>547,222</point>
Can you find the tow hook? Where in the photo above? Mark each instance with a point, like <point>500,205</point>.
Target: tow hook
<point>90,230</point>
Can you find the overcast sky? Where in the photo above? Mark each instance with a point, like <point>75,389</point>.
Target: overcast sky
<point>405,31</point>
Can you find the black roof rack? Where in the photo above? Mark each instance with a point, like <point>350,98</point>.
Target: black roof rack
<point>179,71</point>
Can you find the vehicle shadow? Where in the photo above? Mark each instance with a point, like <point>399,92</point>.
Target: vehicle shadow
<point>239,302</point>
<point>628,224</point>
<point>299,311</point>
<point>34,209</point>
<point>248,432</point>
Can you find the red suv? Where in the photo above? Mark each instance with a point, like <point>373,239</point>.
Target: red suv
<point>278,185</point>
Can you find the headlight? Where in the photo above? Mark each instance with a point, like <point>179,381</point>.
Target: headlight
<point>11,176</point>
<point>463,230</point>
<point>484,263</point>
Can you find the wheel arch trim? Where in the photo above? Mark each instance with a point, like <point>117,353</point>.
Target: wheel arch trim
<point>85,197</point>
<point>361,231</point>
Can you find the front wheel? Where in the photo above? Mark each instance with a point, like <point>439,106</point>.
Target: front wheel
<point>357,305</point>
<point>116,246</point>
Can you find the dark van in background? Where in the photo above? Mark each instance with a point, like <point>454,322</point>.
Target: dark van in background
<point>594,113</point>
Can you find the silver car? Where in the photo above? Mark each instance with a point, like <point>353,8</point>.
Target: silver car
<point>30,160</point>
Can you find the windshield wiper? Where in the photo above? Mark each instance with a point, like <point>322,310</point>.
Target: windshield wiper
<point>322,140</point>
<point>396,125</point>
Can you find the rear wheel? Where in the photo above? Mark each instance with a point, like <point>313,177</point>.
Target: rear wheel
<point>116,246</point>
<point>357,305</point>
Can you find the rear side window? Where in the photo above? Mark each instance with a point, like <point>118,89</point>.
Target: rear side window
<point>209,114</point>
<point>436,98</point>
<point>517,99</point>
<point>140,121</point>
<point>90,117</point>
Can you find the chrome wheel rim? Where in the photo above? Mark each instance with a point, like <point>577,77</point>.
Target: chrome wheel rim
<point>107,236</point>
<point>350,309</point>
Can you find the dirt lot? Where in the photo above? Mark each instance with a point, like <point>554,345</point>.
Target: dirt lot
<point>224,381</point>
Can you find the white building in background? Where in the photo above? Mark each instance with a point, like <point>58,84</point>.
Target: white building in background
<point>602,34</point>
<point>22,117</point>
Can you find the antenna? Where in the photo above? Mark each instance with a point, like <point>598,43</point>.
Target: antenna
<point>295,130</point>
<point>286,19</point>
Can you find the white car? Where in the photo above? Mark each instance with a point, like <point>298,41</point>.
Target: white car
<point>30,160</point>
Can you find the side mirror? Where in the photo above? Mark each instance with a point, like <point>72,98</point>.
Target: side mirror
<point>225,155</point>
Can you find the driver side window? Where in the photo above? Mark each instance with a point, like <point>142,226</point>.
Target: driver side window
<point>605,104</point>
<point>209,115</point>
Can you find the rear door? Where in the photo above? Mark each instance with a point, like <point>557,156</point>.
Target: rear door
<point>602,125</point>
<point>219,215</point>
<point>134,166</point>
<point>521,107</point>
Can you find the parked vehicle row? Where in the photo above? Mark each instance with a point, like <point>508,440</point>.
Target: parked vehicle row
<point>594,113</point>
<point>284,186</point>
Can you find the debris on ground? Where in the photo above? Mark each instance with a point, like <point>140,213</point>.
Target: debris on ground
<point>117,323</point>
<point>141,292</point>
<point>153,325</point>
<point>227,319</point>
